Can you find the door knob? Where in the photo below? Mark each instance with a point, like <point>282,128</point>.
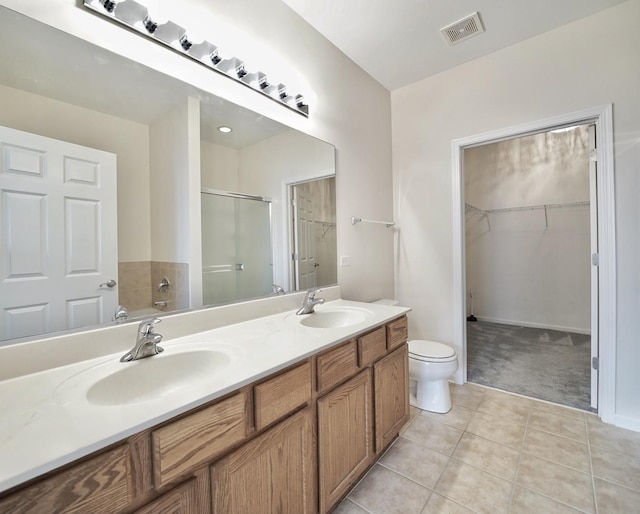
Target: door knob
<point>109,283</point>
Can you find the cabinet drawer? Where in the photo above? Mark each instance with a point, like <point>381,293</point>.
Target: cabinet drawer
<point>397,332</point>
<point>102,484</point>
<point>281,395</point>
<point>197,439</point>
<point>372,346</point>
<point>336,365</point>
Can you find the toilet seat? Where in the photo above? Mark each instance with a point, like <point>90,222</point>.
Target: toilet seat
<point>431,351</point>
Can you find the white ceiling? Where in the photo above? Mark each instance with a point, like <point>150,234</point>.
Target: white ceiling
<point>399,41</point>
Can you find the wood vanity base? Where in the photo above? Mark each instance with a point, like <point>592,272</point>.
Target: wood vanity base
<point>295,442</point>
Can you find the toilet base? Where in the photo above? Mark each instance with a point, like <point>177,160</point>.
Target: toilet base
<point>432,396</point>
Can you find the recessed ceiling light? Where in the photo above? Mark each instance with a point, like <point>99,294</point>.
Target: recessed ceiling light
<point>224,129</point>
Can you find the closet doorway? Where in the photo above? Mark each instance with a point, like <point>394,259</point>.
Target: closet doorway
<point>600,260</point>
<point>528,247</point>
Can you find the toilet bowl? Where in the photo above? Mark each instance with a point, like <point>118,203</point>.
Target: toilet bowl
<point>430,366</point>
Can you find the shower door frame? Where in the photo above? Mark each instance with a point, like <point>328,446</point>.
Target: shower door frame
<point>605,301</point>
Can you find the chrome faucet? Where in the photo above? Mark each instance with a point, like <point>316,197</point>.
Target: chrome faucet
<point>121,314</point>
<point>146,342</point>
<point>310,301</point>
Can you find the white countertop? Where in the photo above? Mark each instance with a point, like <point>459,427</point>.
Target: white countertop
<point>48,422</point>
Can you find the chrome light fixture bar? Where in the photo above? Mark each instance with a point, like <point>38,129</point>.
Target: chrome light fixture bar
<point>136,16</point>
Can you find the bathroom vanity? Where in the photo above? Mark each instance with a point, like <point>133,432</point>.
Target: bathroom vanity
<point>294,411</point>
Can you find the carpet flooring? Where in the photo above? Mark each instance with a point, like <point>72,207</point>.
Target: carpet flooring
<point>546,364</point>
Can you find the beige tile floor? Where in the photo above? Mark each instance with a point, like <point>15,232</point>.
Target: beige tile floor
<point>495,452</point>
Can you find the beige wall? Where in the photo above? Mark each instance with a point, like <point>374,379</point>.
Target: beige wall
<point>588,63</point>
<point>539,169</point>
<point>219,167</point>
<point>175,191</point>
<point>127,139</point>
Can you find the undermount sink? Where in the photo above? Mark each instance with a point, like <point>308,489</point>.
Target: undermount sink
<point>179,367</point>
<point>336,317</point>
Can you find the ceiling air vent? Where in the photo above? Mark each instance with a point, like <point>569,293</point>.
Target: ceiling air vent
<point>462,29</point>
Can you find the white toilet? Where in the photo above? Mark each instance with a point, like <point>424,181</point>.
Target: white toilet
<point>430,366</point>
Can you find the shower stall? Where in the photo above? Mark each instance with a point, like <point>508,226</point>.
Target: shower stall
<point>236,247</point>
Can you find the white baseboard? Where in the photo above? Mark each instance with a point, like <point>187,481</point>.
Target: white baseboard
<point>535,325</point>
<point>627,422</point>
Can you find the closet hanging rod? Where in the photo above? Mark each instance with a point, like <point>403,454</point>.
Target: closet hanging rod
<point>355,220</point>
<point>530,207</point>
<point>538,207</point>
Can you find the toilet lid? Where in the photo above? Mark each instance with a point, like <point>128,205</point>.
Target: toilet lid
<point>430,350</point>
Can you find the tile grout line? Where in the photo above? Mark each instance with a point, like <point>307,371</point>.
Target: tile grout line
<point>405,476</point>
<point>546,495</point>
<point>555,500</point>
<point>449,457</point>
<point>593,479</point>
<point>357,504</point>
<point>541,457</point>
<point>379,462</point>
<point>452,458</point>
<point>520,452</point>
<point>431,491</point>
<point>548,431</point>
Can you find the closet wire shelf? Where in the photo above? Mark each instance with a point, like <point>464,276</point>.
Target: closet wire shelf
<point>485,212</point>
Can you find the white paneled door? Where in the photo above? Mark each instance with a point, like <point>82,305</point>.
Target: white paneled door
<point>58,235</point>
<point>304,241</point>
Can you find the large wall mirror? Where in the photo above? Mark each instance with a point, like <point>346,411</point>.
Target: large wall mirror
<point>117,188</point>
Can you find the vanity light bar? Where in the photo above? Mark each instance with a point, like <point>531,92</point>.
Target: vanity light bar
<point>136,16</point>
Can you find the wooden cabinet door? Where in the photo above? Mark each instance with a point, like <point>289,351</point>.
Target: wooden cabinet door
<point>273,473</point>
<point>189,498</point>
<point>345,437</point>
<point>391,377</point>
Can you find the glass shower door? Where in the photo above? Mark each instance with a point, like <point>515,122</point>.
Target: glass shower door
<point>236,247</point>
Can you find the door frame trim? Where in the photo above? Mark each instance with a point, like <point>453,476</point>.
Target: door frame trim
<point>602,117</point>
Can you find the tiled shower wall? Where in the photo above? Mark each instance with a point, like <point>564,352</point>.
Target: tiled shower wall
<point>134,285</point>
<point>139,283</point>
<point>177,297</point>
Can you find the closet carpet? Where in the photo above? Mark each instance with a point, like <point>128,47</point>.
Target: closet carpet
<point>545,364</point>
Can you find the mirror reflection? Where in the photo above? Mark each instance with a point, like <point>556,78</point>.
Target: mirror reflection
<point>107,172</point>
<point>236,247</point>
